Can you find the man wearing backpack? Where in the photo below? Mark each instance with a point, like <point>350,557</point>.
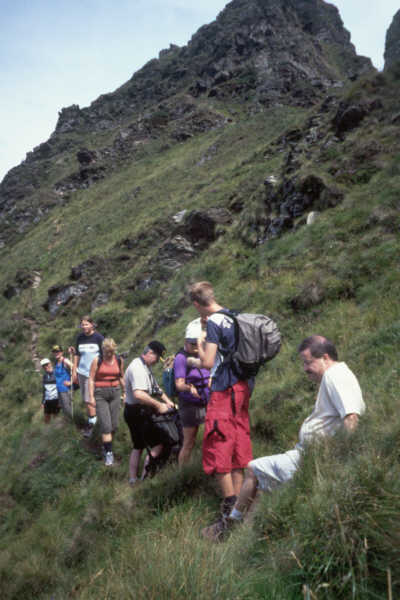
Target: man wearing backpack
<point>226,444</point>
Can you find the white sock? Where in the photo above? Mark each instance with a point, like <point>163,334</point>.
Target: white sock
<point>92,420</point>
<point>236,515</point>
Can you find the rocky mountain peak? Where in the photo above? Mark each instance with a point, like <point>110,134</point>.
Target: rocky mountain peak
<point>392,45</point>
<point>261,53</point>
<point>272,50</point>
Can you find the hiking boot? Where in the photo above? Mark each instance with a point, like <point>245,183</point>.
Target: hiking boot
<point>88,431</point>
<point>218,531</point>
<point>109,459</point>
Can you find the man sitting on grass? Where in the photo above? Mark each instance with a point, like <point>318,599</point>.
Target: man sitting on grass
<point>339,404</point>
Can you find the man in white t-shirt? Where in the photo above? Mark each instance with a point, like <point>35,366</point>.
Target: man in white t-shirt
<point>144,396</point>
<point>339,405</point>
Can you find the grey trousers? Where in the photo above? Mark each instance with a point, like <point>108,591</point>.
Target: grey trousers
<point>108,404</point>
<point>66,404</point>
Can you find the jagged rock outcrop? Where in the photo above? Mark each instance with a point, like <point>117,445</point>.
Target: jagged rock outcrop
<point>348,117</point>
<point>392,45</point>
<point>283,204</point>
<point>263,52</point>
<point>23,280</point>
<point>60,295</point>
<point>273,49</point>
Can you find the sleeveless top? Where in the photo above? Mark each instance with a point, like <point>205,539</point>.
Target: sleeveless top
<point>108,375</point>
<point>62,374</point>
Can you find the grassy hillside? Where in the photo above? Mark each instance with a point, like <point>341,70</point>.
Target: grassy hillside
<point>72,529</point>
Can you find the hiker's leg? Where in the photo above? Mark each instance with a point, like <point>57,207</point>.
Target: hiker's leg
<point>106,438</point>
<point>237,480</point>
<point>272,471</point>
<point>248,491</point>
<point>225,484</point>
<point>84,387</point>
<point>134,461</point>
<point>65,400</point>
<point>156,450</point>
<point>189,439</point>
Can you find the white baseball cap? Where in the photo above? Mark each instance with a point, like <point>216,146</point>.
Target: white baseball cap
<point>193,331</point>
<point>44,361</point>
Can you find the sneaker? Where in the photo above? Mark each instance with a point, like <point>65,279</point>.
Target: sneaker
<point>133,481</point>
<point>218,531</point>
<point>109,459</point>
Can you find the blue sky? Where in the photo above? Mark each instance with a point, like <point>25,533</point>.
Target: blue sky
<point>54,53</point>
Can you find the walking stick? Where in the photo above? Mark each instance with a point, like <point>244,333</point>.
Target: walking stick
<point>71,389</point>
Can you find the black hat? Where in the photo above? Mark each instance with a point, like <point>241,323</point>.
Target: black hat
<point>157,347</point>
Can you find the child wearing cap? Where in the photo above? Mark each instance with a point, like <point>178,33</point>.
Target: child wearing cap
<point>50,393</point>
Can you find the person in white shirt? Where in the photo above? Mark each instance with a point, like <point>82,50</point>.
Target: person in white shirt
<point>143,397</point>
<point>339,405</point>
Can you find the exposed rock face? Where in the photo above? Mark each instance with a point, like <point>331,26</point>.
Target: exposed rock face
<point>392,45</point>
<point>284,203</point>
<point>59,296</point>
<point>274,48</point>
<point>348,117</point>
<point>23,280</point>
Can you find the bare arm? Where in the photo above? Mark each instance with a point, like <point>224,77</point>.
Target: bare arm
<point>74,368</point>
<point>70,366</point>
<point>147,400</point>
<point>68,363</point>
<point>207,354</point>
<point>92,375</point>
<point>167,400</point>
<point>121,379</point>
<point>181,386</point>
<point>350,422</point>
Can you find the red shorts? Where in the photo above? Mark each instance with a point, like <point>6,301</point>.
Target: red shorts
<point>226,442</point>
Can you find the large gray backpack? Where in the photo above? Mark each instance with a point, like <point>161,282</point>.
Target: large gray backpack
<point>257,341</point>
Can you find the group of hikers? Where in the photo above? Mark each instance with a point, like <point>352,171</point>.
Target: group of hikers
<point>212,388</point>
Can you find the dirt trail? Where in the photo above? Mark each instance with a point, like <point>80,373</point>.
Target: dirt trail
<point>33,326</point>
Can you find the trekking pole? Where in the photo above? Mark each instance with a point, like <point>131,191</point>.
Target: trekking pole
<point>71,389</point>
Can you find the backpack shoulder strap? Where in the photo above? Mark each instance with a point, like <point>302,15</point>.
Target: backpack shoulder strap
<point>118,357</point>
<point>233,315</point>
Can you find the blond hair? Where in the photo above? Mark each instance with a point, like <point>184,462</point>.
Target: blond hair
<point>109,345</point>
<point>202,292</point>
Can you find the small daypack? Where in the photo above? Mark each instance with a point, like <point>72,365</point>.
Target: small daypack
<point>257,341</point>
<point>168,376</point>
<point>166,426</point>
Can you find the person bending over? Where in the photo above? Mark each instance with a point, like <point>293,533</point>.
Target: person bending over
<point>143,397</point>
